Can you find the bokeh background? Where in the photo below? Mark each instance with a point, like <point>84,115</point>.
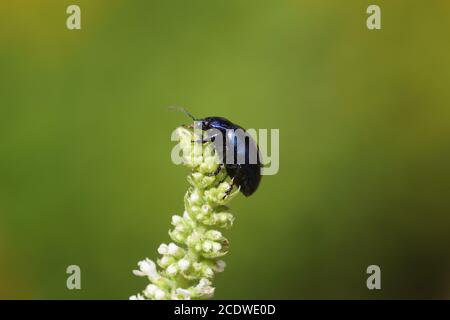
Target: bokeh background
<point>364,119</point>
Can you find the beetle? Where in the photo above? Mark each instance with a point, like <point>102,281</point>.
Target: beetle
<point>238,151</point>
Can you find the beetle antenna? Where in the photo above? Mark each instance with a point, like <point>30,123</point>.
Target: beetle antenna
<point>181,109</point>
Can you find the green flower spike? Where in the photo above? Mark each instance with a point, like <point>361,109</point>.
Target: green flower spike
<point>188,264</point>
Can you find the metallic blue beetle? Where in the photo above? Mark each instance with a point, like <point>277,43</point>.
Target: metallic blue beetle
<point>244,167</point>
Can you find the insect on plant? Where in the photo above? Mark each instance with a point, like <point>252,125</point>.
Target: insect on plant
<point>238,150</point>
<point>188,265</point>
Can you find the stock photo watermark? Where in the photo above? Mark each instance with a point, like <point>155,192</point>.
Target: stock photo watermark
<point>73,21</point>
<point>373,22</point>
<point>374,280</point>
<point>73,281</point>
<point>234,147</point>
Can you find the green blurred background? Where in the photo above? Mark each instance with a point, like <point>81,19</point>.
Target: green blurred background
<point>364,119</point>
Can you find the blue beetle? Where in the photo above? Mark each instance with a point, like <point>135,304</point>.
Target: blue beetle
<point>245,166</point>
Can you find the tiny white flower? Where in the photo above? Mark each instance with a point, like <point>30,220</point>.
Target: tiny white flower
<point>172,248</point>
<point>181,294</point>
<point>180,227</point>
<point>197,175</point>
<point>147,268</point>
<point>150,290</point>
<point>138,273</point>
<point>177,236</point>
<point>204,282</point>
<point>176,219</point>
<point>204,287</point>
<point>208,272</point>
<point>214,234</point>
<point>165,260</point>
<point>159,294</point>
<point>172,269</point>
<point>183,264</point>
<point>137,297</point>
<point>163,249</point>
<point>216,246</point>
<point>207,245</point>
<point>195,196</point>
<point>220,265</point>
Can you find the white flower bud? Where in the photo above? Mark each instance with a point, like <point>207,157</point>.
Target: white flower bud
<point>216,246</point>
<point>147,268</point>
<point>172,269</point>
<point>195,196</point>
<point>204,287</point>
<point>183,264</point>
<point>207,246</point>
<point>197,175</point>
<point>214,234</point>
<point>220,265</point>
<point>172,249</point>
<point>159,294</point>
<point>208,272</point>
<point>176,219</point>
<point>150,290</point>
<point>181,294</point>
<point>180,227</point>
<point>165,261</point>
<point>163,249</point>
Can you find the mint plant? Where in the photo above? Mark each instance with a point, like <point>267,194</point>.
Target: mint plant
<point>187,265</point>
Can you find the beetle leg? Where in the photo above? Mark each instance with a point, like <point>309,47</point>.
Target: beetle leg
<point>216,172</point>
<point>199,141</point>
<point>227,193</point>
<point>208,139</point>
<point>212,138</point>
